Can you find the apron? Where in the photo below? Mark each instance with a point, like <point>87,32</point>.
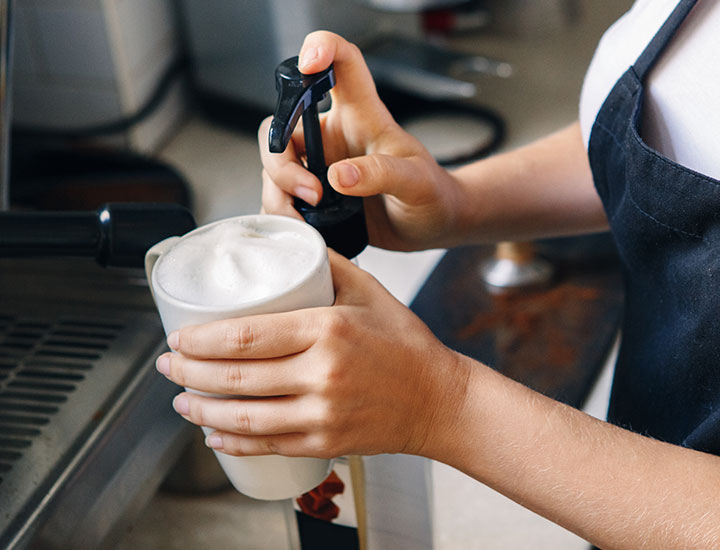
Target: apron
<point>665,220</point>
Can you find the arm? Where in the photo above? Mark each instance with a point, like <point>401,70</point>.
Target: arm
<point>411,202</point>
<point>540,190</point>
<point>615,488</point>
<point>366,376</point>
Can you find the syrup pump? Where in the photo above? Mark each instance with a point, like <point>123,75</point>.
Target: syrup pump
<point>340,219</point>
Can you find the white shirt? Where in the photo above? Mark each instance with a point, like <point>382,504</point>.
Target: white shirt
<point>681,117</point>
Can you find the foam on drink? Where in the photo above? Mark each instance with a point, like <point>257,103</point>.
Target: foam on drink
<point>234,263</point>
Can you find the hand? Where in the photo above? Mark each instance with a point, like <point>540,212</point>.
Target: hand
<point>364,376</point>
<point>409,198</point>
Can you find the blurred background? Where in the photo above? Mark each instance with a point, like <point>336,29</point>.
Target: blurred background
<point>147,101</point>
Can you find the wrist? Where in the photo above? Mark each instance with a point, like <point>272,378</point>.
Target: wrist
<point>447,213</point>
<point>449,391</point>
<point>466,213</point>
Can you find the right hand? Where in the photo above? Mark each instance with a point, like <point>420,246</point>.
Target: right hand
<point>409,199</point>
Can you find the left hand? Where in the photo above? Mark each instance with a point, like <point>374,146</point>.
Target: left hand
<point>363,376</point>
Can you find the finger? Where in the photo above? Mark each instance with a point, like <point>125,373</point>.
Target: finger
<point>377,174</point>
<point>295,180</point>
<point>291,444</point>
<point>254,337</point>
<point>268,416</point>
<point>277,201</point>
<point>286,170</point>
<point>272,377</point>
<point>354,80</point>
<point>351,283</point>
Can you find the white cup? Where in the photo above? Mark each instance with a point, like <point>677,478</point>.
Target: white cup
<point>271,477</point>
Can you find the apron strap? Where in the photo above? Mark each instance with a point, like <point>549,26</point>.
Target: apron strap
<point>656,46</point>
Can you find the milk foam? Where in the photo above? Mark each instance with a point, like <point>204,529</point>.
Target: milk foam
<point>234,263</point>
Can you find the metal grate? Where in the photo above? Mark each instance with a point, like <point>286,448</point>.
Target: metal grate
<point>41,363</point>
<point>77,390</point>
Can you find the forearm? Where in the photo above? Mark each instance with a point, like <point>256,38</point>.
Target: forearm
<point>612,487</point>
<point>543,189</point>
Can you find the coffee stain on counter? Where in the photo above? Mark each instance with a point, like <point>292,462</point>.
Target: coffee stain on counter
<point>554,339</point>
<point>535,335</point>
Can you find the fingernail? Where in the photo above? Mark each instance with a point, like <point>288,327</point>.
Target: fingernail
<point>214,441</point>
<point>345,174</point>
<point>173,340</point>
<point>306,57</point>
<point>181,404</point>
<point>163,364</point>
<point>310,196</point>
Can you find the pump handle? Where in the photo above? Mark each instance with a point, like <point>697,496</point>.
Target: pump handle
<point>340,219</point>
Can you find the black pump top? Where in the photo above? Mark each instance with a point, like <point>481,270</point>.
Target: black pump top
<point>340,219</point>
<point>296,92</point>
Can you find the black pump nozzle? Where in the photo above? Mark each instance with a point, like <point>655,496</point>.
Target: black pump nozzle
<point>116,235</point>
<point>340,219</point>
<point>296,93</point>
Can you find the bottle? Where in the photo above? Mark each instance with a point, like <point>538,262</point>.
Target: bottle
<point>340,219</point>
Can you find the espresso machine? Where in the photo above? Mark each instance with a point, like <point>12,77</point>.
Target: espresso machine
<point>87,432</point>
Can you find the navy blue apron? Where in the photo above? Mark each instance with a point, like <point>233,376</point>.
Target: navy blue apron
<point>665,219</point>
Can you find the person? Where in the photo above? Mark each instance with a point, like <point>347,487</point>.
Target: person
<point>366,376</point>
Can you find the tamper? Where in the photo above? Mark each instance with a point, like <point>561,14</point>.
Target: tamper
<point>340,219</point>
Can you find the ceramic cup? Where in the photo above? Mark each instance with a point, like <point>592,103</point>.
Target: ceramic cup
<point>271,477</point>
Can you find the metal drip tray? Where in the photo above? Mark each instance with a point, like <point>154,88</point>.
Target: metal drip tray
<point>87,432</point>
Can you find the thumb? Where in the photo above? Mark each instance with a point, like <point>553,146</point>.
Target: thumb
<point>353,285</point>
<point>375,174</point>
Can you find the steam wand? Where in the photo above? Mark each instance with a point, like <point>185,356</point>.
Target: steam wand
<point>118,234</point>
<point>340,219</point>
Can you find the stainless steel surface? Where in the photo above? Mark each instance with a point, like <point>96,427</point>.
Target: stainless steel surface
<point>409,5</point>
<point>506,274</point>
<point>419,67</point>
<point>236,46</point>
<point>87,431</point>
<point>197,471</point>
<point>532,18</point>
<point>515,265</point>
<point>6,27</point>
